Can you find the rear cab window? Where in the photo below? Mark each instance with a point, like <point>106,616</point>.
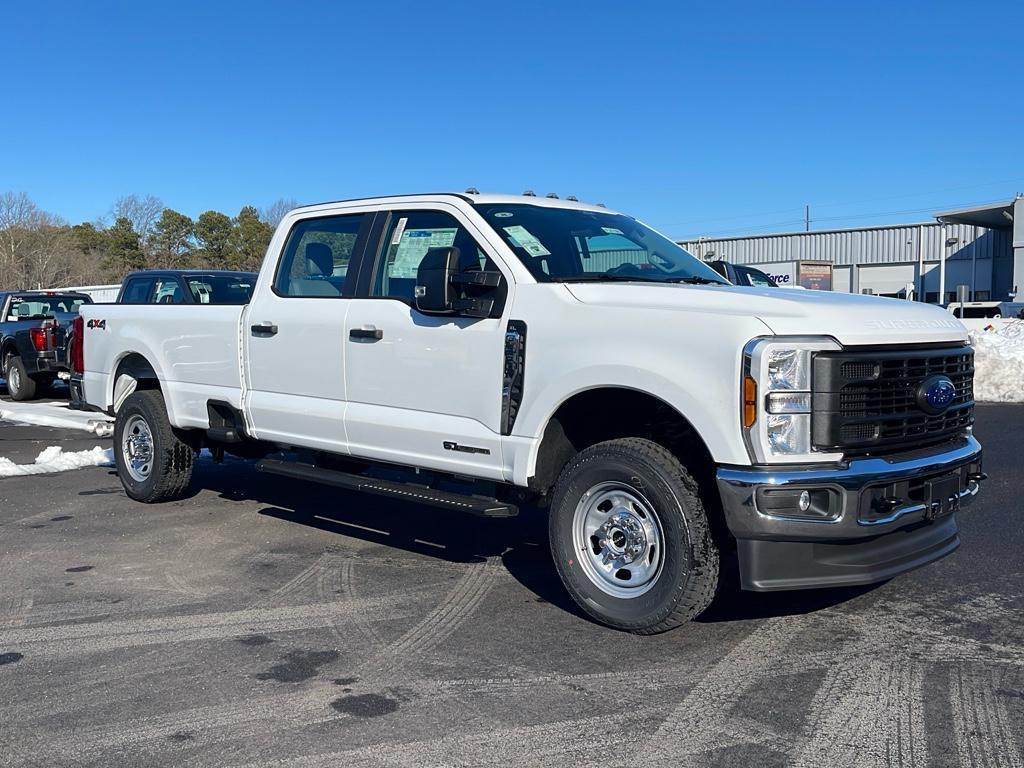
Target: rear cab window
<point>40,306</point>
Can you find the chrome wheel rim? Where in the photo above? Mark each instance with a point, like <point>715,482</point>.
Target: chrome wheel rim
<point>137,448</point>
<point>13,378</point>
<point>618,540</point>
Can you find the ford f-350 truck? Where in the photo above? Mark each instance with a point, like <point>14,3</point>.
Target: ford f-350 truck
<point>474,351</point>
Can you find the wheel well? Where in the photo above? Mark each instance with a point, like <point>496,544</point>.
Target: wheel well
<point>9,348</point>
<point>608,413</point>
<point>139,369</point>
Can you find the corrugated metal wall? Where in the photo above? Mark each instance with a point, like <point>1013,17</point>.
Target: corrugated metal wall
<point>877,245</point>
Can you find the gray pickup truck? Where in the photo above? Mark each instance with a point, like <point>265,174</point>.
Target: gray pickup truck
<point>33,335</point>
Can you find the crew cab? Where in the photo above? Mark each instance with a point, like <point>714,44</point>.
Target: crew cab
<point>477,352</point>
<point>33,333</point>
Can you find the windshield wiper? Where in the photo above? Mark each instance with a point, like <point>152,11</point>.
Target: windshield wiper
<point>604,276</point>
<point>695,280</point>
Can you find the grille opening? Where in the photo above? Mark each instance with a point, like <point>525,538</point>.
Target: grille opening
<point>865,400</point>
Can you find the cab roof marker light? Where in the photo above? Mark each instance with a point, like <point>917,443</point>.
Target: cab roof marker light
<point>551,196</point>
<point>573,198</point>
<point>529,193</point>
<point>472,191</point>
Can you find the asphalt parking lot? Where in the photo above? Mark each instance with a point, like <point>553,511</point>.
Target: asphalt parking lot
<point>266,622</point>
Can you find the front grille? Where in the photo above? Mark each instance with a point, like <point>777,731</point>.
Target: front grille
<point>866,401</point>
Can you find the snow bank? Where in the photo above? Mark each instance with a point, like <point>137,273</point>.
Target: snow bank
<point>53,459</point>
<point>56,415</point>
<point>999,363</point>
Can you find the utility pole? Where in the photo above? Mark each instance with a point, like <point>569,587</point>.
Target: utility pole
<point>807,218</point>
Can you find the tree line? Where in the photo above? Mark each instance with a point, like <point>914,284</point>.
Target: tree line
<point>41,250</point>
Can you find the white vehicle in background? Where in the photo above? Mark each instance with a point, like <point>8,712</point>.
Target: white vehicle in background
<point>472,351</point>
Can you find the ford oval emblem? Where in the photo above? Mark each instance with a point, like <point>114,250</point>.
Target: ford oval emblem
<point>935,394</point>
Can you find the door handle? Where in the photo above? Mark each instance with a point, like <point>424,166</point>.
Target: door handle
<point>371,333</point>
<point>265,328</point>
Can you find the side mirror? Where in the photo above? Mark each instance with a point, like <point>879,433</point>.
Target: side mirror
<point>441,287</point>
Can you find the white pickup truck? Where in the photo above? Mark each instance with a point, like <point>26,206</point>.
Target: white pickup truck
<point>475,351</point>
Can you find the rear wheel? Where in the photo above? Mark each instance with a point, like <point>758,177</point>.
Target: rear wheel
<point>630,537</point>
<point>20,386</point>
<point>153,462</point>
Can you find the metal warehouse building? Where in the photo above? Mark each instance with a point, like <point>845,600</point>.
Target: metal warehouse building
<point>982,248</point>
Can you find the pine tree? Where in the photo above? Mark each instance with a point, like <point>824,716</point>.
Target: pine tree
<point>123,251</point>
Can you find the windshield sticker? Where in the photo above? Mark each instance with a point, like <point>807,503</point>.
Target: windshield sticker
<point>503,215</point>
<point>397,237</point>
<point>522,237</point>
<point>612,231</point>
<point>414,246</point>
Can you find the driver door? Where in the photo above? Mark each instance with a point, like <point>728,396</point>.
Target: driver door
<point>423,389</point>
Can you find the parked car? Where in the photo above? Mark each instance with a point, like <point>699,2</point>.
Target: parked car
<point>976,309</point>
<point>33,334</point>
<point>738,274</point>
<point>475,351</point>
<point>185,286</point>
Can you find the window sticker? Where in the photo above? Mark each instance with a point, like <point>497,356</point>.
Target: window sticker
<point>413,246</point>
<point>503,215</point>
<point>397,237</point>
<point>522,237</point>
<point>612,231</point>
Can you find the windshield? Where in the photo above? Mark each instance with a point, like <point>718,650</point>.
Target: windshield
<point>35,306</point>
<point>564,244</point>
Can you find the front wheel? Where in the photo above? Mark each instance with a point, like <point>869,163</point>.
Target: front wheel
<point>630,537</point>
<point>153,463</point>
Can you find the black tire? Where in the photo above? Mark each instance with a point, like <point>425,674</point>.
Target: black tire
<point>689,568</point>
<point>20,386</point>
<point>170,469</point>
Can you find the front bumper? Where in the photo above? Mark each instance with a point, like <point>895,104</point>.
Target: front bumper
<point>888,515</point>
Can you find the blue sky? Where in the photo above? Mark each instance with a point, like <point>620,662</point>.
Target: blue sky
<point>707,118</point>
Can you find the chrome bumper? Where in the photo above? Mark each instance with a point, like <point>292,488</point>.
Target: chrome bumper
<point>884,522</point>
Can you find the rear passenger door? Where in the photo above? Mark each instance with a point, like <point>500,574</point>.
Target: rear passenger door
<point>423,389</point>
<point>295,334</point>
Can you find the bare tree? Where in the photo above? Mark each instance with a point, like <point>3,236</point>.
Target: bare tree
<point>19,219</point>
<point>276,211</point>
<point>142,212</point>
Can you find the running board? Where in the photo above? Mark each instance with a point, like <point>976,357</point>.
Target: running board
<point>475,505</point>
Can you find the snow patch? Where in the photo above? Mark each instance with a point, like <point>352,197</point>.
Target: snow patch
<point>56,415</point>
<point>53,459</point>
<point>999,363</point>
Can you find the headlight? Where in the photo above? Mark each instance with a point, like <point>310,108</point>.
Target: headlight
<point>776,407</point>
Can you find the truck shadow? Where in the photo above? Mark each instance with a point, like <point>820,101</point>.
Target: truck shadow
<point>521,542</point>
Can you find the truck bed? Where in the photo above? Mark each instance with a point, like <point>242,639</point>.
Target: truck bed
<point>197,345</point>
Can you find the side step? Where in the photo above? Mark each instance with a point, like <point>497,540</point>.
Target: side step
<point>475,505</point>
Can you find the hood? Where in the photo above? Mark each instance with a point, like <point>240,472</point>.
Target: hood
<point>852,319</point>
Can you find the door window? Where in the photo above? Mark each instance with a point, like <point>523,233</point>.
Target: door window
<point>167,292</point>
<point>408,237</point>
<point>754,277</point>
<point>317,256</point>
<point>137,291</point>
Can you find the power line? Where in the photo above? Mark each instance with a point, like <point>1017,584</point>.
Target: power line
<point>794,208</point>
<point>851,217</point>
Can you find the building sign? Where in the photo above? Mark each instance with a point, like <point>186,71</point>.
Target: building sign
<point>816,277</point>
